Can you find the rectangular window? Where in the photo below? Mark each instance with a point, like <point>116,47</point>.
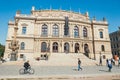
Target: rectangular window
<point>101,34</point>
<point>24,30</point>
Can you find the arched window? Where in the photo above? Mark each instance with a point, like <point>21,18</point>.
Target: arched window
<point>55,30</point>
<point>102,48</point>
<point>44,30</point>
<point>101,34</point>
<point>84,32</point>
<point>22,46</point>
<point>55,47</point>
<point>76,31</point>
<point>43,47</point>
<point>24,30</point>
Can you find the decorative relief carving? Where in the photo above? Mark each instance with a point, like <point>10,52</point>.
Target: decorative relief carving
<point>24,24</point>
<point>100,29</point>
<point>61,14</point>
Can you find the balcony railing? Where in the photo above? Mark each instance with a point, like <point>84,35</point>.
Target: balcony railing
<point>76,36</point>
<point>55,35</point>
<point>44,35</point>
<point>66,35</point>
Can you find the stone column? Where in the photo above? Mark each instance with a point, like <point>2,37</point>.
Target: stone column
<point>62,30</point>
<point>49,30</point>
<point>81,31</point>
<point>37,46</point>
<point>51,46</point>
<point>71,31</point>
<point>40,46</point>
<point>82,47</point>
<point>59,46</point>
<point>62,48</point>
<point>40,29</point>
<point>39,50</point>
<point>72,48</point>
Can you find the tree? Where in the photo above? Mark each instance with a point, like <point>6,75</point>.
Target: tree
<point>2,49</point>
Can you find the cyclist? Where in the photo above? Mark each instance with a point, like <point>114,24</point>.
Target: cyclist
<point>26,65</point>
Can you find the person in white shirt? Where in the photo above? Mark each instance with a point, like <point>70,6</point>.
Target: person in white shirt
<point>109,65</point>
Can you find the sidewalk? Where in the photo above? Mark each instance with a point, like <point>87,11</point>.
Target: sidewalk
<point>61,72</point>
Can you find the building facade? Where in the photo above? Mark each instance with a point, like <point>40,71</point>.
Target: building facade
<point>115,42</point>
<point>58,31</point>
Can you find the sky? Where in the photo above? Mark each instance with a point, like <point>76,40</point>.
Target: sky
<point>110,9</point>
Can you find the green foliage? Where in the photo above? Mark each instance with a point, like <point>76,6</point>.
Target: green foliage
<point>2,49</point>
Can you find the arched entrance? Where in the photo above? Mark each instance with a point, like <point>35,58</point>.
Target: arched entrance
<point>86,50</point>
<point>66,47</point>
<point>43,47</point>
<point>76,47</point>
<point>55,47</point>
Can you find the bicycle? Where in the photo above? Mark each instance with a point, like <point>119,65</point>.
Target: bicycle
<point>24,71</point>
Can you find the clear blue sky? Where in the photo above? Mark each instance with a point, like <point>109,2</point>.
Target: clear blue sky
<point>99,8</point>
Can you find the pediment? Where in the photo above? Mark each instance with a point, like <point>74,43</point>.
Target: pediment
<point>24,24</point>
<point>60,14</point>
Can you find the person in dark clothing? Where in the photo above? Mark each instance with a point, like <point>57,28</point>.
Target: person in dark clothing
<point>100,63</point>
<point>26,65</point>
<point>79,64</point>
<point>3,60</point>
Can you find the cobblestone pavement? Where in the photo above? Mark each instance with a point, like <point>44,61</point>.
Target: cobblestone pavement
<point>8,71</point>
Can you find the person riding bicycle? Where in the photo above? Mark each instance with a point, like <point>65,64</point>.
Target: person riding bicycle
<point>26,65</point>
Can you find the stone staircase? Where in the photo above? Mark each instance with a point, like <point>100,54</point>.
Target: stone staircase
<point>63,59</point>
<point>59,59</point>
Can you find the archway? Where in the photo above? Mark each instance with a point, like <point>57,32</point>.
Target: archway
<point>76,47</point>
<point>43,47</point>
<point>66,47</point>
<point>55,47</point>
<point>86,50</point>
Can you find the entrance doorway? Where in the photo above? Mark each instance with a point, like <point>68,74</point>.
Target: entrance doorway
<point>76,47</point>
<point>66,47</point>
<point>55,47</point>
<point>43,47</point>
<point>86,50</point>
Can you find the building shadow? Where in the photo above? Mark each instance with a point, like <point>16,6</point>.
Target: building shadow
<point>104,70</point>
<point>75,69</point>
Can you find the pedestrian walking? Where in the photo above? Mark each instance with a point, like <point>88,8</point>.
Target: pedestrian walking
<point>100,63</point>
<point>79,64</point>
<point>109,65</point>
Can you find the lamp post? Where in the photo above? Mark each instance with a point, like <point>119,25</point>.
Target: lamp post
<point>14,46</point>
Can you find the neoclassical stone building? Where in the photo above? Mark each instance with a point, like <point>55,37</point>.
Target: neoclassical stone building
<point>115,42</point>
<point>58,31</point>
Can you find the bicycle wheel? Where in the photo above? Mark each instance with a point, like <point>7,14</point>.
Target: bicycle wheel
<point>31,71</point>
<point>21,71</point>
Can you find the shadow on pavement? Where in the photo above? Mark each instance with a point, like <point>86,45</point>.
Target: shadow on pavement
<point>104,70</point>
<point>75,69</point>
